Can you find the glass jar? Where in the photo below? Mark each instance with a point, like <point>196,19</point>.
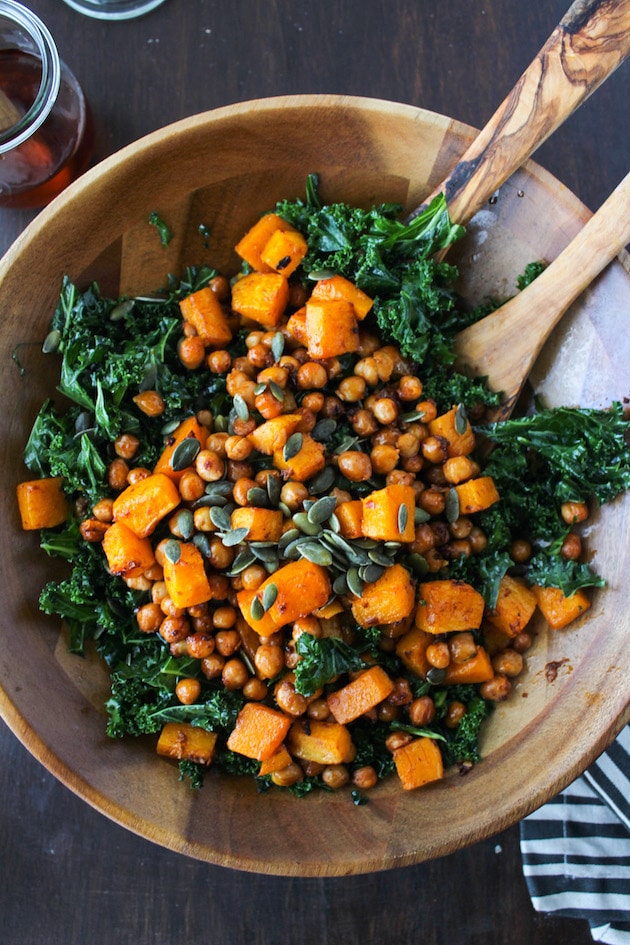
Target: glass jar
<point>46,135</point>
<point>114,9</point>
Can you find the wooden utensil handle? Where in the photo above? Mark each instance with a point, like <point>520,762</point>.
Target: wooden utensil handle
<point>589,43</point>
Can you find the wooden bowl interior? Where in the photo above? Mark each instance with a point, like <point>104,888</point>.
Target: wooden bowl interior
<point>220,170</point>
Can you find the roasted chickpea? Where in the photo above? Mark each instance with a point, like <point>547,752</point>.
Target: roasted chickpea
<point>508,663</point>
<point>117,472</point>
<point>335,776</point>
<point>288,699</point>
<point>311,375</point>
<point>188,690</point>
<point>351,389</point>
<point>364,778</point>
<point>422,711</point>
<point>200,645</point>
<point>149,617</point>
<point>355,465</point>
<point>574,512</point>
<point>212,666</point>
<point>571,547</point>
<point>288,776</point>
<point>496,689</point>
<point>209,465</point>
<point>268,660</point>
<point>455,712</point>
<point>191,351</point>
<point>234,674</point>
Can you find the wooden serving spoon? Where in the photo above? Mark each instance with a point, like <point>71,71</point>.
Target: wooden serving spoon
<point>589,43</point>
<point>504,345</point>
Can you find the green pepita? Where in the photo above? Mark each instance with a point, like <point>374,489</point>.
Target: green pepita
<point>292,447</point>
<point>355,584</point>
<point>315,553</point>
<point>172,550</point>
<point>403,518</point>
<point>301,521</point>
<point>256,609</point>
<point>276,391</point>
<point>269,596</point>
<point>234,537</point>
<point>461,420</point>
<point>277,345</point>
<point>121,310</point>
<point>452,506</point>
<point>322,509</point>
<point>220,518</point>
<point>240,407</point>
<point>185,453</point>
<point>51,341</point>
<point>258,497</point>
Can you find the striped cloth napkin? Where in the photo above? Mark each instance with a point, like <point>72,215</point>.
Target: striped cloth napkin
<point>576,848</point>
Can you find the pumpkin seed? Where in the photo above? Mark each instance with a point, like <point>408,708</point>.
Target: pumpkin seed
<point>391,547</point>
<point>240,407</point>
<point>301,521</point>
<point>371,573</point>
<point>149,379</point>
<point>315,553</point>
<point>412,416</point>
<point>322,509</point>
<point>234,537</point>
<point>172,550</point>
<point>206,501</point>
<point>323,481</point>
<point>452,506</point>
<point>461,420</point>
<point>377,556</point>
<point>241,561</point>
<point>201,540</point>
<point>285,540</point>
<point>418,564</point>
<point>367,543</point>
<point>277,345</point>
<point>220,487</point>
<point>169,427</point>
<point>258,497</point>
<point>284,508</point>
<point>84,422</point>
<point>318,274</point>
<point>355,584</point>
<point>256,609</point>
<point>220,424</point>
<point>185,453</point>
<point>51,341</point>
<point>292,550</point>
<point>403,518</point>
<point>274,487</point>
<point>119,311</point>
<point>420,516</point>
<point>324,429</point>
<point>340,585</point>
<point>276,391</point>
<point>185,523</point>
<point>348,443</point>
<point>220,519</point>
<point>269,596</point>
<point>259,389</point>
<point>436,676</point>
<point>266,554</point>
<point>334,523</point>
<point>292,447</point>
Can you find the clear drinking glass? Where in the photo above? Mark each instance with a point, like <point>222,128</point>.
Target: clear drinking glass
<point>46,133</point>
<point>114,9</point>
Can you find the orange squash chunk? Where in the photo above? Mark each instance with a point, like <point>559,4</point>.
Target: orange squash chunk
<point>337,287</point>
<point>418,763</point>
<point>411,649</point>
<point>514,608</point>
<point>350,518</point>
<point>144,504</point>
<point>261,297</point>
<point>187,428</point>
<point>331,328</point>
<point>459,444</point>
<point>259,731</point>
<point>127,555</point>
<point>449,606</point>
<point>186,742</point>
<point>262,524</point>
<point>279,760</point>
<point>360,695</point>
<point>475,495</point>
<point>42,503</point>
<point>186,580</point>
<point>326,743</point>
<point>252,244</point>
<point>478,669</point>
<point>205,313</point>
<point>301,586</point>
<point>559,610</point>
<point>387,600</point>
<point>273,434</point>
<point>296,325</point>
<point>382,516</point>
<point>284,251</point>
<point>310,459</point>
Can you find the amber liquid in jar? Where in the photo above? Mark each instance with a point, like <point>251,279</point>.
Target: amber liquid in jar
<point>59,151</point>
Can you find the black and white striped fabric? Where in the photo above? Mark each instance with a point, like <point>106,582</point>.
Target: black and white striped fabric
<point>576,848</point>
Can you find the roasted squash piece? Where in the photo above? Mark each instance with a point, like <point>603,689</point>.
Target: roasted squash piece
<point>259,731</point>
<point>350,518</point>
<point>514,608</point>
<point>477,669</point>
<point>411,649</point>
<point>309,459</point>
<point>337,287</point>
<point>273,434</point>
<point>186,579</point>
<point>326,743</point>
<point>558,609</point>
<point>186,742</point>
<point>388,514</point>
<point>359,696</point>
<point>261,524</point>
<point>204,312</point>
<point>330,328</point>
<point>284,251</point>
<point>261,297</point>
<point>475,495</point>
<point>387,600</point>
<point>301,587</point>
<point>144,504</point>
<point>455,428</point>
<point>189,428</point>
<point>418,763</point>
<point>127,555</point>
<point>252,244</point>
<point>42,503</point>
<point>448,606</point>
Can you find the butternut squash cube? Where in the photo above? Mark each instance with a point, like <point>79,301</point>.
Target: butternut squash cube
<point>186,579</point>
<point>387,600</point>
<point>252,244</point>
<point>187,428</point>
<point>42,503</point>
<point>205,313</point>
<point>360,695</point>
<point>418,763</point>
<point>279,760</point>
<point>301,587</point>
<point>350,518</point>
<point>325,743</point>
<point>186,742</point>
<point>477,669</point>
<point>273,434</point>
<point>144,504</point>
<point>310,459</point>
<point>411,649</point>
<point>261,297</point>
<point>127,555</point>
<point>261,524</point>
<point>331,328</point>
<point>337,287</point>
<point>449,606</point>
<point>259,731</point>
<point>558,609</point>
<point>446,425</point>
<point>296,325</point>
<point>388,514</point>
<point>284,251</point>
<point>475,495</point>
<point>514,608</point>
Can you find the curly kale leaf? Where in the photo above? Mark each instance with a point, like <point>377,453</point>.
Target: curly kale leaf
<point>322,660</point>
<point>553,570</point>
<point>463,744</point>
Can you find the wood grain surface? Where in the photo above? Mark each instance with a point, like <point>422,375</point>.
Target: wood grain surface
<point>71,876</point>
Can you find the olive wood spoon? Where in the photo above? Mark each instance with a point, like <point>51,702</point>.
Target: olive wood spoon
<point>589,43</point>
<point>504,345</point>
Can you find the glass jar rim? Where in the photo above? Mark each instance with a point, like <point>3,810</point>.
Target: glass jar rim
<point>48,90</point>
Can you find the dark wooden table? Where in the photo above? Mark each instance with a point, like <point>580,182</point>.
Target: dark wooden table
<point>71,877</point>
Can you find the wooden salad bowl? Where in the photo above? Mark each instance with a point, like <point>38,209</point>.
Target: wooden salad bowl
<point>221,170</point>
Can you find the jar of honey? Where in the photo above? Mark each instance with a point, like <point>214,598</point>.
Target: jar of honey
<point>46,133</point>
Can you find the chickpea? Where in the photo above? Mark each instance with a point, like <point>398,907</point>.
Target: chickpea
<point>457,469</point>
<point>293,495</point>
<point>212,666</point>
<point>424,539</point>
<point>335,776</point>
<point>396,740</point>
<point>260,356</point>
<point>522,642</point>
<point>313,401</point>
<point>224,617</point>
<point>478,540</point>
<point>385,410</point>
<point>574,512</point>
<point>174,629</point>
<point>496,689</point>
<point>409,387</point>
<point>571,547</point>
<point>311,375</point>
<point>401,693</point>
<point>268,405</point>
<point>386,712</point>
<point>191,486</point>
<point>103,510</point>
<point>422,711</point>
<point>438,655</point>
<point>255,689</point>
<point>455,712</point>
<point>219,586</point>
<point>238,448</point>
<point>462,646</point>
<point>432,501</point>
<point>428,409</point>
<point>367,369</point>
<point>209,466</point>
<point>150,403</point>
<point>508,663</point>
<point>435,449</point>
<point>191,352</point>
<point>364,422</point>
<point>202,520</point>
<point>288,776</point>
<point>92,530</point>
<point>364,778</point>
<point>318,710</point>
<point>158,592</point>
<point>117,474</point>
<point>216,444</point>
<point>219,362</point>
<point>407,445</point>
<point>202,624</point>
<point>351,389</point>
<point>149,617</point>
<point>333,408</point>
<point>253,576</point>
<point>199,645</point>
<point>155,572</point>
<point>355,465</point>
<point>413,464</point>
<point>288,699</point>
<point>227,642</point>
<point>240,489</point>
<point>220,557</point>
<point>268,660</point>
<point>188,690</point>
<point>399,477</point>
<point>310,625</point>
<point>435,561</point>
<point>237,470</point>
<point>384,458</point>
<point>234,674</point>
<point>460,528</point>
<point>520,551</point>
